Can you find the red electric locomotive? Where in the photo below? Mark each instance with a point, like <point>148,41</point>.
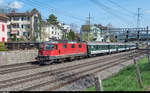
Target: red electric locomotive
<point>57,50</point>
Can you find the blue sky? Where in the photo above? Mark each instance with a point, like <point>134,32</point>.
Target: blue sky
<point>77,11</point>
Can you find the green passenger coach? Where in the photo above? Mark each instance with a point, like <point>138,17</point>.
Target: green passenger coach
<point>94,48</point>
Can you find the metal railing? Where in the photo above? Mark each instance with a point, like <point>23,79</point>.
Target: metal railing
<point>21,46</point>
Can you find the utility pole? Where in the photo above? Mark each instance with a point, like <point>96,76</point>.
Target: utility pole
<point>138,25</point>
<point>147,46</point>
<point>138,18</point>
<point>89,23</point>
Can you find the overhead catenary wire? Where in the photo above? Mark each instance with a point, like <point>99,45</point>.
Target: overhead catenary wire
<point>123,8</point>
<point>49,7</point>
<point>30,4</point>
<point>108,10</point>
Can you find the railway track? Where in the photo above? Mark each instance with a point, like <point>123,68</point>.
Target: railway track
<point>13,66</point>
<point>6,83</point>
<point>25,66</point>
<point>77,75</point>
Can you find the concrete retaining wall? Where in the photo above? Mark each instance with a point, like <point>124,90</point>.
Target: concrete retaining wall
<point>19,56</point>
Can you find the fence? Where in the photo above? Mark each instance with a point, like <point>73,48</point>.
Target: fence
<point>22,46</point>
<point>134,77</point>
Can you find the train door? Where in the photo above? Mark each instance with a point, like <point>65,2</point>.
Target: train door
<point>65,49</point>
<point>56,51</point>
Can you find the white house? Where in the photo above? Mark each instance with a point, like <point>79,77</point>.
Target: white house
<point>49,32</point>
<point>66,29</point>
<point>91,33</point>
<point>3,28</point>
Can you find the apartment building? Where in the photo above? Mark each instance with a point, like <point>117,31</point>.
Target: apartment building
<point>3,28</point>
<point>24,25</point>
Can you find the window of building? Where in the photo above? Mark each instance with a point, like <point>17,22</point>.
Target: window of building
<point>3,27</point>
<point>8,34</point>
<point>16,18</point>
<point>22,26</point>
<point>8,26</point>
<point>15,25</point>
<point>25,18</point>
<point>25,26</point>
<point>72,46</point>
<point>9,19</point>
<point>18,33</point>
<point>3,39</point>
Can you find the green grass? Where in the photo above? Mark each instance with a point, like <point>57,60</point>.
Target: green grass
<point>2,46</point>
<point>126,79</point>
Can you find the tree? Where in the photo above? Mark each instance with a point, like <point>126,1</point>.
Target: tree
<point>74,27</point>
<point>14,37</point>
<point>112,39</point>
<point>71,35</point>
<point>53,20</point>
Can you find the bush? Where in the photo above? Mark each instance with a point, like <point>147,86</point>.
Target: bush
<point>2,46</point>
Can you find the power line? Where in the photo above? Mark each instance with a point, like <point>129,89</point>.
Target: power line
<point>121,7</point>
<point>107,9</point>
<point>62,12</point>
<point>30,4</point>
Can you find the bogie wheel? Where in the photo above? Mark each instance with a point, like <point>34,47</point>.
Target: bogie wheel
<point>61,60</point>
<point>42,63</point>
<point>71,59</point>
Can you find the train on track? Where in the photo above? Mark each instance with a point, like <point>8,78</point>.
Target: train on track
<point>55,51</point>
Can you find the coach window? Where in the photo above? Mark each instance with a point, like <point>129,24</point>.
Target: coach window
<point>72,46</point>
<point>56,47</point>
<point>89,46</point>
<point>64,46</point>
<point>80,46</point>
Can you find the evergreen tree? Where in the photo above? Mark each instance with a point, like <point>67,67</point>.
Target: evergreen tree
<point>52,20</point>
<point>71,35</point>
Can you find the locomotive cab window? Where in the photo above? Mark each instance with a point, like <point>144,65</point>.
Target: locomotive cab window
<point>49,47</point>
<point>64,46</point>
<point>80,46</point>
<point>41,47</point>
<point>72,46</point>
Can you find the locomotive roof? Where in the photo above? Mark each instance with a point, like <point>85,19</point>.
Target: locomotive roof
<point>107,43</point>
<point>63,42</point>
<point>93,43</point>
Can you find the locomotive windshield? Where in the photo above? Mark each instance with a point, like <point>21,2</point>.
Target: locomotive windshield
<point>41,47</point>
<point>49,47</point>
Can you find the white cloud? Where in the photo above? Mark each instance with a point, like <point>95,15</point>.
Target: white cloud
<point>16,5</point>
<point>1,1</point>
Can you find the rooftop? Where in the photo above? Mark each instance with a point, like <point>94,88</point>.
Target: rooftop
<point>3,17</point>
<point>19,14</point>
<point>85,27</point>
